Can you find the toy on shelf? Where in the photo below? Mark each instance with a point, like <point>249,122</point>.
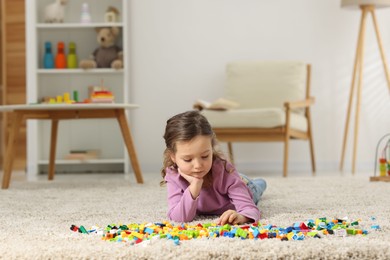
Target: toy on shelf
<point>85,16</point>
<point>384,160</point>
<point>60,57</point>
<point>108,54</point>
<point>83,154</point>
<point>111,15</point>
<point>48,58</point>
<point>97,94</point>
<point>75,96</point>
<point>72,57</point>
<point>54,12</point>
<point>100,94</point>
<point>64,99</point>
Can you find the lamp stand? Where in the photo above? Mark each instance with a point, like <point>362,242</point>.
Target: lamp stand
<point>358,66</point>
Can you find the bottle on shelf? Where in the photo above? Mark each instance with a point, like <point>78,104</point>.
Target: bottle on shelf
<point>60,57</point>
<point>72,57</point>
<point>48,58</point>
<point>85,16</point>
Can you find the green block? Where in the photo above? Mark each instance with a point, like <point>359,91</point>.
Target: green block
<point>351,231</point>
<point>83,230</point>
<point>123,227</point>
<point>226,227</point>
<point>319,228</point>
<point>242,233</point>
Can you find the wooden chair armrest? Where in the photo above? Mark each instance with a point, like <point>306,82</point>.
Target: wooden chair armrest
<point>299,104</point>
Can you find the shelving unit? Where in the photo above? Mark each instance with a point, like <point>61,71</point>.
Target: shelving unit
<point>103,135</point>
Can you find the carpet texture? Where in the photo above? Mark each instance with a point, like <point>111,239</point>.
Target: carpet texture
<point>35,219</point>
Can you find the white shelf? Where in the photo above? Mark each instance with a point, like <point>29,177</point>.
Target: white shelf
<point>94,161</point>
<point>79,71</point>
<point>76,25</point>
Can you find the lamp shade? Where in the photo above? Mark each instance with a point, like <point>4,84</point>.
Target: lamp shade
<point>357,3</point>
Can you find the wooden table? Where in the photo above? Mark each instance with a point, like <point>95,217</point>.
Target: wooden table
<point>56,112</point>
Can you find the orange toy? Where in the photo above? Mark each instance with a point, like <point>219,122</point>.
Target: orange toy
<point>60,57</point>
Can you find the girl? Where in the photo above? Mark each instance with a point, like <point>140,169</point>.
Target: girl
<point>199,180</point>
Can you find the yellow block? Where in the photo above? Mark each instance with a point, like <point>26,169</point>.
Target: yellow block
<point>66,97</point>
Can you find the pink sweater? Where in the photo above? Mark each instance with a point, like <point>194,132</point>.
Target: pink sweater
<point>228,191</point>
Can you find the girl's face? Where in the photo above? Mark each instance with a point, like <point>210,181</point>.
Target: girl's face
<point>195,157</point>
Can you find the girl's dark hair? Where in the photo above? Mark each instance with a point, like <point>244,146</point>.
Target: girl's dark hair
<point>184,127</point>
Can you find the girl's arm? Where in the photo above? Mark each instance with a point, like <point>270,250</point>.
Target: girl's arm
<point>227,181</point>
<point>181,205</point>
<point>241,198</point>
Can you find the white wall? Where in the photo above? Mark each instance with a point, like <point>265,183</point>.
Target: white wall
<point>179,49</point>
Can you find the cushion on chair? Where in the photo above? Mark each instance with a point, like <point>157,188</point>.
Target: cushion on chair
<point>266,84</point>
<point>257,118</point>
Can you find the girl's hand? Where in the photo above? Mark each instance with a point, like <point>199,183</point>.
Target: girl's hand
<point>191,179</point>
<point>195,184</point>
<point>232,217</point>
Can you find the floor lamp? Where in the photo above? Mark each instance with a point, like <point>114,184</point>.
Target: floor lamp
<point>366,7</point>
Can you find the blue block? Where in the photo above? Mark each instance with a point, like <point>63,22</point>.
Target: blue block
<point>148,230</point>
<point>268,227</point>
<point>289,229</point>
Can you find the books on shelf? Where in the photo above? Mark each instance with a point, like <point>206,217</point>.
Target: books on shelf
<point>218,104</point>
<point>83,154</point>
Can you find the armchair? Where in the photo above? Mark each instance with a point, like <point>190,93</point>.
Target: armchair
<point>274,105</point>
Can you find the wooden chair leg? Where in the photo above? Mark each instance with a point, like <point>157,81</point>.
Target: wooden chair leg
<point>285,161</point>
<point>313,161</point>
<point>311,144</point>
<point>286,141</point>
<point>230,149</point>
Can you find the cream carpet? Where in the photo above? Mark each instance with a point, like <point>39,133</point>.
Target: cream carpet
<point>35,218</point>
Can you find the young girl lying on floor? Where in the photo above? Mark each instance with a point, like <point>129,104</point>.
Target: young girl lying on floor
<point>199,180</point>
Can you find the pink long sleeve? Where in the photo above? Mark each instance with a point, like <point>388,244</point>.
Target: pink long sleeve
<point>228,191</point>
<point>182,207</point>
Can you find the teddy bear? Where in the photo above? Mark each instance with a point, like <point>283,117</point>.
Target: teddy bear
<point>108,54</point>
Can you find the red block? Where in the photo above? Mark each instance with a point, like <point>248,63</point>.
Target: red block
<point>303,226</point>
<point>263,235</point>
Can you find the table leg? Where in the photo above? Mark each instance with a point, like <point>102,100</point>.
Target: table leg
<point>10,153</point>
<point>121,116</point>
<point>53,145</point>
